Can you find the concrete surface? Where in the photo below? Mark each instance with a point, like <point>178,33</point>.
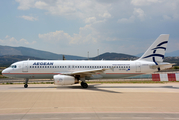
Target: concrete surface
<point>99,101</point>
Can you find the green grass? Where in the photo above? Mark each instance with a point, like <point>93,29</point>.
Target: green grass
<point>120,82</point>
<point>7,83</point>
<point>101,82</point>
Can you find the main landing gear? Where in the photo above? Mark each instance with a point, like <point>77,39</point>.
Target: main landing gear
<point>26,83</point>
<point>84,84</point>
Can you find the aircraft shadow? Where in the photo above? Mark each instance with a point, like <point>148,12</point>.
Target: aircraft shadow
<point>90,87</point>
<point>170,87</point>
<point>96,87</point>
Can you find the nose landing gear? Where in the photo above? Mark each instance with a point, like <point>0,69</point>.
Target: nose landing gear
<point>26,83</point>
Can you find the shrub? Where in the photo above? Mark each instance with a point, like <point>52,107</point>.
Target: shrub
<point>176,67</point>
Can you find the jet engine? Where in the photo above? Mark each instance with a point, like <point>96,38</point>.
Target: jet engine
<point>63,80</point>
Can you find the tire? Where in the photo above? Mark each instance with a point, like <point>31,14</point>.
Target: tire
<point>84,85</point>
<point>25,86</point>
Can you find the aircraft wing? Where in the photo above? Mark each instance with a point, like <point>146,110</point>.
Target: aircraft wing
<point>84,72</point>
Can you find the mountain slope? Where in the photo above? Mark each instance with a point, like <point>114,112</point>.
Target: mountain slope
<point>167,54</point>
<point>174,53</point>
<point>7,60</point>
<point>114,56</point>
<point>7,50</point>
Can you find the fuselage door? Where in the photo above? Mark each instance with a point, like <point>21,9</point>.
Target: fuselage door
<point>25,67</point>
<point>138,67</point>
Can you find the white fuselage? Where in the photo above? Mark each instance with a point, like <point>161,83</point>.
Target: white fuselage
<point>46,69</point>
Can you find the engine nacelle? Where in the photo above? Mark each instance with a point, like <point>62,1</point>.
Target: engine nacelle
<point>63,80</point>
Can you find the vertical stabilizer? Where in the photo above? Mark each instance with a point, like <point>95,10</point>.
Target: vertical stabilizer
<point>156,51</point>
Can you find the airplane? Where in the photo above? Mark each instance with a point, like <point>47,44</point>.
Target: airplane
<point>68,72</point>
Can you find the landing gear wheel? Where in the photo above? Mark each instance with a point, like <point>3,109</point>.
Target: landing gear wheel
<point>25,86</point>
<point>26,83</point>
<point>84,85</point>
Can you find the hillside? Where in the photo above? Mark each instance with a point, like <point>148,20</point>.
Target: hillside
<point>7,60</point>
<point>9,55</point>
<point>167,54</point>
<point>23,51</point>
<point>172,60</point>
<point>173,54</point>
<point>114,56</point>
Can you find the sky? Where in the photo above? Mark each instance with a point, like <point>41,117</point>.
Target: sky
<point>74,27</point>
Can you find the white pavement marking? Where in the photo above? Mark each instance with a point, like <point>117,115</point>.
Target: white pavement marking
<point>142,118</point>
<point>172,118</point>
<point>81,118</point>
<point>50,118</point>
<point>110,118</point>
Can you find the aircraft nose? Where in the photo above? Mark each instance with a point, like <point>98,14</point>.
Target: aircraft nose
<point>3,72</point>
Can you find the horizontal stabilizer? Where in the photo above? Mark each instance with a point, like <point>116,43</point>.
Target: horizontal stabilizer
<point>165,66</point>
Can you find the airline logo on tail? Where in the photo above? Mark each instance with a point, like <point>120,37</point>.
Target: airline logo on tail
<point>156,51</point>
<point>157,55</point>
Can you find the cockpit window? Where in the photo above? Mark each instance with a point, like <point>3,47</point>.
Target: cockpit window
<point>13,66</point>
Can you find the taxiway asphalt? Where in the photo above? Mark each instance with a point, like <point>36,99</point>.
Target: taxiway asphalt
<point>97,102</point>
